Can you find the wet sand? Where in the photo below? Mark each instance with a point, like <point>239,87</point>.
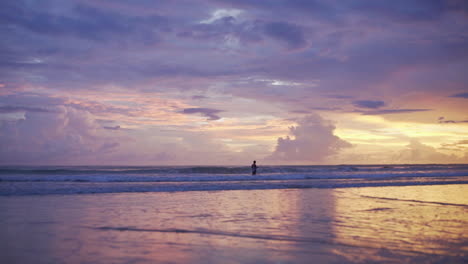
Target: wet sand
<point>405,224</point>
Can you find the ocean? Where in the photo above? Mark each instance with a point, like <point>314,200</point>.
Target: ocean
<point>223,214</point>
<point>27,180</point>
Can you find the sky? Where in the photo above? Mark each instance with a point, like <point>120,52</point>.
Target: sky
<point>224,82</point>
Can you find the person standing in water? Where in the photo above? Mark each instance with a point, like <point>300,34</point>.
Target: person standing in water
<point>254,167</point>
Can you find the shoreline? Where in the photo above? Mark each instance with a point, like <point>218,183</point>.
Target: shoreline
<point>348,225</point>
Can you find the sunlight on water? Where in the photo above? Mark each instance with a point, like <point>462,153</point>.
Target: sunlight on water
<point>411,220</point>
<point>396,224</point>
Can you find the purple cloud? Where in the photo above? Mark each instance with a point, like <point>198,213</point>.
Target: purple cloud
<point>82,21</point>
<point>460,95</point>
<point>312,139</point>
<point>112,127</point>
<point>74,46</point>
<point>199,97</point>
<point>208,112</point>
<point>62,137</point>
<point>391,50</point>
<point>16,109</point>
<point>290,34</point>
<point>393,111</point>
<point>442,120</point>
<point>369,104</point>
<point>417,152</point>
<point>339,96</point>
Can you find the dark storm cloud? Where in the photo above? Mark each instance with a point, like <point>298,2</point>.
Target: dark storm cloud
<point>369,104</point>
<point>210,113</point>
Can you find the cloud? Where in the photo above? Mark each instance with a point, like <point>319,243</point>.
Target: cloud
<point>208,112</point>
<point>112,127</point>
<point>402,11</point>
<point>369,104</point>
<point>64,136</point>
<point>227,33</point>
<point>460,95</point>
<point>75,44</point>
<point>83,21</point>
<point>417,152</point>
<point>290,34</point>
<point>389,50</point>
<point>339,96</point>
<point>312,140</point>
<point>222,13</point>
<point>16,109</point>
<point>459,145</point>
<point>442,120</point>
<point>393,111</point>
<point>199,97</point>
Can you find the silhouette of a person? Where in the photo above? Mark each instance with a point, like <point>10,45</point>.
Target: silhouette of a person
<point>254,167</point>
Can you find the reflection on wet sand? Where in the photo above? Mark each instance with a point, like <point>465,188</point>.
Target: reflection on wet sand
<point>426,222</point>
<point>216,227</point>
<point>395,224</point>
<point>185,227</point>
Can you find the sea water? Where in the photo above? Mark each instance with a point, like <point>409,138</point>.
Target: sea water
<point>192,214</point>
<point>24,180</point>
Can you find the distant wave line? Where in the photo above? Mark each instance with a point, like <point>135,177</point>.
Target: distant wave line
<point>16,189</point>
<point>224,178</point>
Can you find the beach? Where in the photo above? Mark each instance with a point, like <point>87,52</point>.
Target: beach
<point>390,224</point>
<point>225,132</point>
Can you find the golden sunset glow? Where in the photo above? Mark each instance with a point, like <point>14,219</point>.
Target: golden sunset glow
<point>397,218</point>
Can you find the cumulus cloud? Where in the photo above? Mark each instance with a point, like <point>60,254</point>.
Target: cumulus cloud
<point>312,140</point>
<point>417,152</point>
<point>64,136</point>
<point>387,49</point>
